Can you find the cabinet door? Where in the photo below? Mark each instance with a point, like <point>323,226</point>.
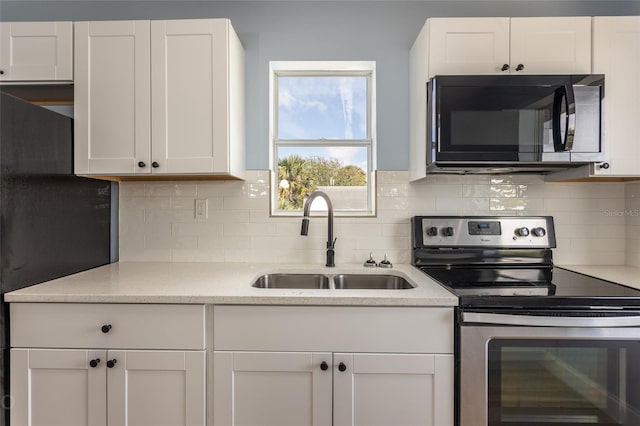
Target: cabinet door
<point>272,388</point>
<point>393,389</point>
<point>160,388</point>
<point>616,53</point>
<point>36,51</point>
<point>551,45</point>
<point>459,46</point>
<point>58,387</point>
<point>190,95</point>
<point>112,97</point>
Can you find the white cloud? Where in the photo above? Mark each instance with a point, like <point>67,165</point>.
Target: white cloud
<point>346,96</point>
<point>348,156</point>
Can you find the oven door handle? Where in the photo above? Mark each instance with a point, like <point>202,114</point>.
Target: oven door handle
<point>550,321</point>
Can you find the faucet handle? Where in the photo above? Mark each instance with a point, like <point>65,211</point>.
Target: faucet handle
<point>332,244</point>
<point>385,263</point>
<point>370,263</point>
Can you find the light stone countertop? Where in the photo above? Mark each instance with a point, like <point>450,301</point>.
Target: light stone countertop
<point>621,274</point>
<point>225,283</point>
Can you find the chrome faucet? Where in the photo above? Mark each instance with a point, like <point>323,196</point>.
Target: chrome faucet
<point>331,242</point>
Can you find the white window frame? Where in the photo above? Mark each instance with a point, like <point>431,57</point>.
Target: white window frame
<point>324,68</point>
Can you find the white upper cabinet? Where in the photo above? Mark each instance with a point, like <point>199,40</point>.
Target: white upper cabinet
<point>36,51</point>
<point>112,97</point>
<point>167,98</point>
<point>616,54</point>
<point>551,45</point>
<point>466,46</point>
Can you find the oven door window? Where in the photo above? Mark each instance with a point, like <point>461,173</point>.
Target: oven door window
<point>563,382</point>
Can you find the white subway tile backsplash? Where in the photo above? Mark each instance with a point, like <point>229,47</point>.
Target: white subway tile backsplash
<point>198,255</point>
<point>170,189</point>
<point>157,241</point>
<point>229,216</point>
<point>515,204</point>
<point>579,205</point>
<point>207,229</point>
<point>241,229</point>
<point>632,218</point>
<point>594,221</point>
<point>517,179</point>
<point>226,241</point>
<point>169,216</point>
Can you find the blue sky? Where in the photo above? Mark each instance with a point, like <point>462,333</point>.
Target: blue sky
<point>323,107</point>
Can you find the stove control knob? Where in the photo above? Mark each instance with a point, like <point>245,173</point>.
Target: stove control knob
<point>522,232</point>
<point>432,231</point>
<point>448,231</point>
<point>539,232</point>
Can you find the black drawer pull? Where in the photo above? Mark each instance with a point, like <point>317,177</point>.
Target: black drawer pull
<point>112,363</point>
<point>94,362</point>
<point>106,328</point>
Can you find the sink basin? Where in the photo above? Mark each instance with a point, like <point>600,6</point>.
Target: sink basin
<point>370,282</point>
<point>292,281</point>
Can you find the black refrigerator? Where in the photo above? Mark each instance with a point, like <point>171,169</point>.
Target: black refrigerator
<point>52,223</point>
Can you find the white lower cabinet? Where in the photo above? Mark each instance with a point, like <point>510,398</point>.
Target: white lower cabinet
<point>97,387</point>
<point>272,388</point>
<point>289,388</point>
<point>373,366</point>
<point>392,389</point>
<point>56,379</point>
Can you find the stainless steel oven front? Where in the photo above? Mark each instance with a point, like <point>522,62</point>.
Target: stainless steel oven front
<point>539,368</point>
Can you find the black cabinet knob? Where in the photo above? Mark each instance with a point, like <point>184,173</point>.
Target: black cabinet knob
<point>342,367</point>
<point>106,328</point>
<point>505,67</point>
<point>141,164</point>
<point>155,165</point>
<point>1,72</point>
<point>520,67</point>
<point>604,166</point>
<point>94,362</point>
<point>324,366</point>
<point>112,362</point>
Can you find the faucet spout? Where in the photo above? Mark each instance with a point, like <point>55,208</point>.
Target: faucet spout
<point>331,242</point>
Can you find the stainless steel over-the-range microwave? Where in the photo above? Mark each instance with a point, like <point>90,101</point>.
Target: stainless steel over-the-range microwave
<point>519,123</point>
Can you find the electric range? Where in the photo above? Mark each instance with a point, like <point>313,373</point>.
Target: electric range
<point>536,345</point>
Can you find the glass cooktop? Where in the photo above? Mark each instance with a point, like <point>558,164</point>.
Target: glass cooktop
<point>528,287</point>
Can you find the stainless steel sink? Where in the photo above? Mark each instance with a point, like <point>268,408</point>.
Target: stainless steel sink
<point>370,282</point>
<point>292,281</point>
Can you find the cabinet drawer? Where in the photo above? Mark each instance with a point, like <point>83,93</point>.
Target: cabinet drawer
<point>333,328</point>
<point>70,325</point>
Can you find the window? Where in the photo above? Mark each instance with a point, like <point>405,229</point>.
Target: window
<point>323,135</point>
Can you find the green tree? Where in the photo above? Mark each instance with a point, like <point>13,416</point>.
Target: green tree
<point>298,177</point>
<point>322,171</point>
<point>293,174</point>
<point>351,176</point>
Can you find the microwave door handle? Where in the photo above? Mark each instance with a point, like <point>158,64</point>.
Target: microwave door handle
<point>550,321</point>
<point>571,117</point>
<point>563,96</point>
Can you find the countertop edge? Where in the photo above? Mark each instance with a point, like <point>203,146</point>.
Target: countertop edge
<point>224,284</point>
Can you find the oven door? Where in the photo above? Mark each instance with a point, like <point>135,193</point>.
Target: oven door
<point>543,371</point>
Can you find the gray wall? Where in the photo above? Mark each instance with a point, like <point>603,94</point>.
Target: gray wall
<point>382,31</point>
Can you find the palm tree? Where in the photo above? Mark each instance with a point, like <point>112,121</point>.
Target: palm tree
<point>295,171</point>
